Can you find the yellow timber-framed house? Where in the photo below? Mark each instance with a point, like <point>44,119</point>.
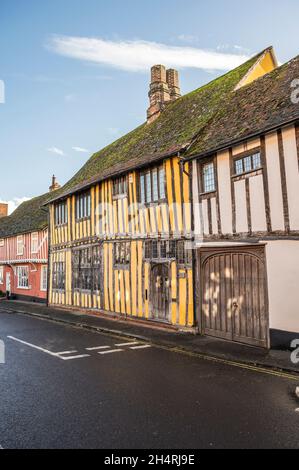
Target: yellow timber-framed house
<point>123,229</point>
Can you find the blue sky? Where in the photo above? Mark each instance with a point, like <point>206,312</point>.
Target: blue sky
<point>76,73</point>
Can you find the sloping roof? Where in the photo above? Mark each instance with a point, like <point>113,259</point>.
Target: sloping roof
<point>261,106</point>
<point>30,216</point>
<point>172,132</point>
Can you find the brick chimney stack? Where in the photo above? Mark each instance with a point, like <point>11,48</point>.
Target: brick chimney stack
<point>3,210</point>
<point>172,77</point>
<point>54,184</point>
<point>164,88</point>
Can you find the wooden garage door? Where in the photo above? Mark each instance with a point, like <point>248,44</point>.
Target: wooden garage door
<point>234,296</point>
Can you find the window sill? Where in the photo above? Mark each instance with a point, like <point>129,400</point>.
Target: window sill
<point>116,197</point>
<point>122,267</point>
<point>84,219</point>
<point>83,291</point>
<point>61,225</point>
<point>209,193</point>
<point>152,204</point>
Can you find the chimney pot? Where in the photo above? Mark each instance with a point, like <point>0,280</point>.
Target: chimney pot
<point>164,87</point>
<point>55,185</point>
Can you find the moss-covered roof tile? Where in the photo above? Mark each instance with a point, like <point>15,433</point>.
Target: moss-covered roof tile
<point>173,131</point>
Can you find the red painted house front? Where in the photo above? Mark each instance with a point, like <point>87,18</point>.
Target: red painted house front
<point>23,265</point>
<point>24,250</point>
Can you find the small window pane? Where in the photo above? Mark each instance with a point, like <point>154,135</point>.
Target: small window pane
<point>247,164</point>
<point>142,189</point>
<point>155,250</point>
<point>209,178</point>
<point>163,250</point>
<point>162,182</point>
<point>239,167</point>
<point>155,185</point>
<point>148,187</point>
<point>148,249</point>
<point>256,161</point>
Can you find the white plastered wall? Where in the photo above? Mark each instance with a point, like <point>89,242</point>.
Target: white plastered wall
<point>283,284</point>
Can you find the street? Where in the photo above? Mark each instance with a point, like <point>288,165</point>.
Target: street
<point>65,387</point>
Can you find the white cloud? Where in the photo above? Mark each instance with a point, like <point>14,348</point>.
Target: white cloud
<point>14,203</point>
<point>80,150</point>
<point>141,55</point>
<point>57,151</point>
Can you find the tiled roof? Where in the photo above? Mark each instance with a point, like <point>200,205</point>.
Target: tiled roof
<point>30,216</point>
<point>173,131</point>
<point>263,105</point>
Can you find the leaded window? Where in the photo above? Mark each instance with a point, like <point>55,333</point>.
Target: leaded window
<point>247,164</point>
<point>122,254</point>
<point>82,269</point>
<point>83,205</point>
<point>61,213</point>
<point>208,173</point>
<point>178,250</point>
<point>59,275</point>
<point>120,186</point>
<point>152,185</point>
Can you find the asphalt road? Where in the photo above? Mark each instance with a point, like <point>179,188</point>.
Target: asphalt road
<point>128,398</point>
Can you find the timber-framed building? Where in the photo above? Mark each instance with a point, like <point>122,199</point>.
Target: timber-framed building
<point>191,219</point>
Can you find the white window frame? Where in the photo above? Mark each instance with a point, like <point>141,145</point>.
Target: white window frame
<point>22,274</point>
<point>34,242</point>
<point>2,275</point>
<point>20,245</point>
<point>1,242</point>
<point>44,271</point>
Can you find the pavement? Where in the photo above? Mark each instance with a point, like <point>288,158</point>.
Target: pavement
<point>185,342</point>
<point>63,387</point>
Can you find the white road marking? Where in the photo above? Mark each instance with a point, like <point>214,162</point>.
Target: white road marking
<point>66,352</point>
<point>145,346</point>
<point>34,346</point>
<point>111,351</point>
<point>126,344</point>
<point>97,348</point>
<point>46,351</point>
<point>69,358</point>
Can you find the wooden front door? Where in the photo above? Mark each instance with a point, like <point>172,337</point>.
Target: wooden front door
<point>234,296</point>
<point>160,292</point>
